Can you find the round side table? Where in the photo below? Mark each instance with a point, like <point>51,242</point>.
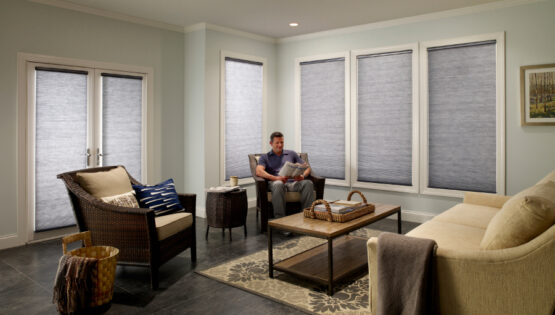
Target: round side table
<point>226,210</point>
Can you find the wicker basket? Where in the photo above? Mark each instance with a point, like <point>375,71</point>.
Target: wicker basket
<point>338,217</point>
<point>104,273</point>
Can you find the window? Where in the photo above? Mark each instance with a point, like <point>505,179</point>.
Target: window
<point>463,105</point>
<point>243,112</point>
<point>323,108</point>
<point>385,131</point>
<point>79,116</point>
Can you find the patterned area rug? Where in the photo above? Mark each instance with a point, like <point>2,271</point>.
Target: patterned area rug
<point>250,273</point>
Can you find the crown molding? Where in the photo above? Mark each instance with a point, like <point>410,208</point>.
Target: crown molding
<point>409,20</point>
<point>227,30</point>
<point>108,14</point>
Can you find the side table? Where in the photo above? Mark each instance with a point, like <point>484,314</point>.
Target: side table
<point>226,210</point>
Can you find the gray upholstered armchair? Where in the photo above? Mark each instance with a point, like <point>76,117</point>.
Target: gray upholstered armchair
<point>264,197</point>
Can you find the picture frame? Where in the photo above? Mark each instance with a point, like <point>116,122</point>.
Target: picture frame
<point>537,95</point>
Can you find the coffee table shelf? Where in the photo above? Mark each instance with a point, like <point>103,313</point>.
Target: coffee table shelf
<point>313,263</point>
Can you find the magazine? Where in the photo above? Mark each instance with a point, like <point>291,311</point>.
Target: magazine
<point>292,169</point>
<point>339,208</point>
<point>223,189</point>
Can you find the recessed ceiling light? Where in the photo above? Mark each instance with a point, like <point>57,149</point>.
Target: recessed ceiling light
<point>293,24</point>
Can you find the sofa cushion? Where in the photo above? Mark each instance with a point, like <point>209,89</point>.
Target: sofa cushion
<point>168,225</point>
<point>549,178</point>
<point>290,196</point>
<point>106,183</point>
<point>124,200</point>
<point>450,235</point>
<point>468,214</point>
<point>525,216</point>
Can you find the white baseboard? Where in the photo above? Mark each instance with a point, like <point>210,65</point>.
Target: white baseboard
<point>416,216</point>
<point>10,240</point>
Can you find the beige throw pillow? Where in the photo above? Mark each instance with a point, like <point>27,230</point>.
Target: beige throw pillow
<point>105,184</point>
<point>549,178</point>
<point>522,218</point>
<point>124,200</point>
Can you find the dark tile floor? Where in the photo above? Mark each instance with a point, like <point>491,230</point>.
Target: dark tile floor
<point>27,274</point>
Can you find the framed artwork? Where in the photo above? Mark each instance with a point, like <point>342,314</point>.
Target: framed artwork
<point>537,95</point>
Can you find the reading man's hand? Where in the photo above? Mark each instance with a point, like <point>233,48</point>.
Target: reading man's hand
<point>298,178</point>
<point>282,178</point>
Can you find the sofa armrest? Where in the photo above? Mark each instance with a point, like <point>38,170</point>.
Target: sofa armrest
<point>485,199</point>
<point>517,280</point>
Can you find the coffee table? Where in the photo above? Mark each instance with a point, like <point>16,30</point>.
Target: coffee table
<point>350,251</point>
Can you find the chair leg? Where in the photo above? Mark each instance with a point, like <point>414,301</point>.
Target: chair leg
<point>154,277</point>
<point>206,235</point>
<point>245,227</point>
<point>230,234</point>
<point>194,252</point>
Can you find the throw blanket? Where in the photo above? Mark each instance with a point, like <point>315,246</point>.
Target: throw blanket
<point>73,283</point>
<point>404,275</point>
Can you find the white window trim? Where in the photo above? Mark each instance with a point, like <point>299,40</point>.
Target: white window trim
<point>26,63</point>
<point>223,55</point>
<point>345,54</point>
<point>500,111</point>
<point>415,119</point>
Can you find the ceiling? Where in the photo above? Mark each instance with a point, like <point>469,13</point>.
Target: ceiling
<point>271,17</point>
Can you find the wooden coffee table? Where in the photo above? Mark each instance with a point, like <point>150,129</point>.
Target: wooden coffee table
<point>320,264</point>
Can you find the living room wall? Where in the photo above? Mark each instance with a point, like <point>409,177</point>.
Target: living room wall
<point>529,41</point>
<point>39,29</point>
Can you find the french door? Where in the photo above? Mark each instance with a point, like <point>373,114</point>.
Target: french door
<point>79,117</point>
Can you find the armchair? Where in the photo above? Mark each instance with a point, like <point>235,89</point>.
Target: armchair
<point>142,238</point>
<point>263,196</point>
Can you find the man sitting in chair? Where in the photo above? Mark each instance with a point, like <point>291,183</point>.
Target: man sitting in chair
<point>269,166</point>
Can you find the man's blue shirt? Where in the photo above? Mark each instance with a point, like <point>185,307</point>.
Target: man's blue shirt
<point>273,163</point>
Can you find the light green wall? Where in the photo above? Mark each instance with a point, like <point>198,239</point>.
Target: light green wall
<point>39,29</point>
<point>530,151</point>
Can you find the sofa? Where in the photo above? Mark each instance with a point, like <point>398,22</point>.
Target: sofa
<point>495,254</point>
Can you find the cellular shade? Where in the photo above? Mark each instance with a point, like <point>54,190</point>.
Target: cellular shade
<point>60,142</point>
<point>385,118</point>
<point>323,116</point>
<point>243,114</point>
<point>462,117</point>
<point>122,122</point>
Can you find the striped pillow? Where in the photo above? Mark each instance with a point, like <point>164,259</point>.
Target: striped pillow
<point>162,198</point>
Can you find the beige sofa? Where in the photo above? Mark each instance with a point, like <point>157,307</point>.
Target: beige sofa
<point>495,255</point>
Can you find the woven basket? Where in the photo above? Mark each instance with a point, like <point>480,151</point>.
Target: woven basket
<point>104,273</point>
<point>338,217</point>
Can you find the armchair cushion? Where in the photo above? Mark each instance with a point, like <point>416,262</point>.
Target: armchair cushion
<point>168,225</point>
<point>290,196</point>
<point>105,183</point>
<point>127,200</point>
<point>522,218</point>
<point>162,198</point>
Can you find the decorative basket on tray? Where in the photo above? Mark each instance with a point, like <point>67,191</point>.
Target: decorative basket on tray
<point>358,211</point>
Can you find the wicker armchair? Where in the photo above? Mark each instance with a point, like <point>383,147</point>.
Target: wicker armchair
<point>131,230</point>
<point>264,206</point>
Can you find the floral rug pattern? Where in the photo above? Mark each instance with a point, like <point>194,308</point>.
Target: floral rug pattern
<point>250,273</point>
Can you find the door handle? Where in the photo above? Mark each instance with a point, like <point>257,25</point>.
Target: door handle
<point>98,156</point>
<point>88,155</point>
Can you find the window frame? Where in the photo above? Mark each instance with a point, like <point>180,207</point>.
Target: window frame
<point>298,145</point>
<point>415,119</point>
<point>499,107</point>
<point>245,57</point>
<point>26,63</point>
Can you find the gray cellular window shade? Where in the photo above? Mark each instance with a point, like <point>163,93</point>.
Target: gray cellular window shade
<point>243,115</point>
<point>61,142</point>
<point>462,117</point>
<point>385,118</point>
<point>122,122</point>
<point>323,116</point>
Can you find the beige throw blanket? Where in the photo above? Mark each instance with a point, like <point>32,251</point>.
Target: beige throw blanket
<point>404,275</point>
<point>73,283</point>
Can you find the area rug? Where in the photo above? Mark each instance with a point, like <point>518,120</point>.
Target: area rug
<point>250,273</point>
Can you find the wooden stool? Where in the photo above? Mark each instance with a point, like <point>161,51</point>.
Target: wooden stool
<point>226,210</point>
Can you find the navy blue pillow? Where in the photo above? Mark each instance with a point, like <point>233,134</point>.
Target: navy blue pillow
<point>162,198</point>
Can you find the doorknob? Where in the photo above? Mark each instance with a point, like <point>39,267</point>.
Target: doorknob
<point>98,156</point>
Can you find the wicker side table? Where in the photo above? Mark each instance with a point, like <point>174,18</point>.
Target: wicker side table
<point>226,210</point>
